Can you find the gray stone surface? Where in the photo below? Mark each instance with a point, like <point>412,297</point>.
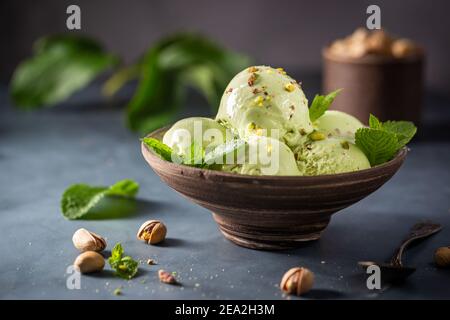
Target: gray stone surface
<point>42,153</point>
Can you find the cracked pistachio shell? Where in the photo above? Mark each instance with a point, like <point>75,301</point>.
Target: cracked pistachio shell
<point>297,281</point>
<point>152,232</point>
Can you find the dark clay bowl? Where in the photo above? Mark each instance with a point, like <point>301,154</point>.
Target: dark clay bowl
<point>270,212</point>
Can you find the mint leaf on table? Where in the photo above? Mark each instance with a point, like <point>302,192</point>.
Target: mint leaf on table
<point>79,199</point>
<point>172,65</point>
<point>124,267</point>
<point>61,65</point>
<point>320,104</point>
<point>379,146</point>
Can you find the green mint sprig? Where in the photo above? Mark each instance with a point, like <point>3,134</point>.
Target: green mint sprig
<point>62,65</point>
<point>79,199</point>
<point>382,140</point>
<point>197,157</point>
<point>320,104</point>
<point>124,267</point>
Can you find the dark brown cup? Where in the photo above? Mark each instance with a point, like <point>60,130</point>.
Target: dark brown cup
<point>270,212</point>
<point>389,88</point>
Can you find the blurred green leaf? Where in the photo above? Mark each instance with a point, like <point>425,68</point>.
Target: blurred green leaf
<point>61,65</point>
<point>172,65</point>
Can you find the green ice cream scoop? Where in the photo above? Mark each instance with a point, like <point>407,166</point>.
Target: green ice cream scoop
<point>338,124</point>
<point>195,130</point>
<point>260,99</point>
<point>264,156</point>
<point>330,156</point>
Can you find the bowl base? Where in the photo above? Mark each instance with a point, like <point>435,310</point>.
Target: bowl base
<point>266,238</point>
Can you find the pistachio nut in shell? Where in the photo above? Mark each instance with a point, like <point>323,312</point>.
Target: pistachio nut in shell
<point>297,281</point>
<point>89,261</point>
<point>152,231</point>
<point>442,257</point>
<point>85,240</point>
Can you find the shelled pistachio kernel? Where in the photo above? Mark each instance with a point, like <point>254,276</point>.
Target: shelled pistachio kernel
<point>152,232</point>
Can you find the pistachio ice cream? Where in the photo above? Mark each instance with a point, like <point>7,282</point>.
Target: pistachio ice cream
<point>265,156</point>
<point>265,101</point>
<point>196,129</point>
<point>338,124</point>
<point>266,112</point>
<point>330,156</point>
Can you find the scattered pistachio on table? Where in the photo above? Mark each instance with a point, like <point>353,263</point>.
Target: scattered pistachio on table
<point>166,277</point>
<point>89,261</point>
<point>152,232</point>
<point>85,240</point>
<point>297,281</point>
<point>442,257</point>
<point>151,262</point>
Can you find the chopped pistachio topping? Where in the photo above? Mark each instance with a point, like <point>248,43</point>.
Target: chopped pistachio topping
<point>302,131</point>
<point>316,136</point>
<point>253,69</point>
<point>289,87</point>
<point>345,145</point>
<point>251,126</point>
<point>281,70</point>
<point>259,101</point>
<point>252,79</point>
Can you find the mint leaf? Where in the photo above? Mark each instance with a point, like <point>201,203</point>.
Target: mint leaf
<point>124,267</point>
<point>404,130</point>
<point>378,145</point>
<point>220,153</point>
<point>61,65</point>
<point>116,254</point>
<point>172,65</point>
<point>160,148</point>
<point>79,199</point>
<point>321,104</point>
<point>374,123</point>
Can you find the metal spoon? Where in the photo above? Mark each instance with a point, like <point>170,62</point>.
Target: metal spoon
<point>394,271</point>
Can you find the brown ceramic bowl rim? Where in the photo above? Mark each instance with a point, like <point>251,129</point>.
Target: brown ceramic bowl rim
<point>399,157</point>
<point>373,59</point>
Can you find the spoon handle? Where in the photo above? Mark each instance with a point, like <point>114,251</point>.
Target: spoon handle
<point>418,231</point>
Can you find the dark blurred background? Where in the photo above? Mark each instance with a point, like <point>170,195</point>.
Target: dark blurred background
<point>280,33</point>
